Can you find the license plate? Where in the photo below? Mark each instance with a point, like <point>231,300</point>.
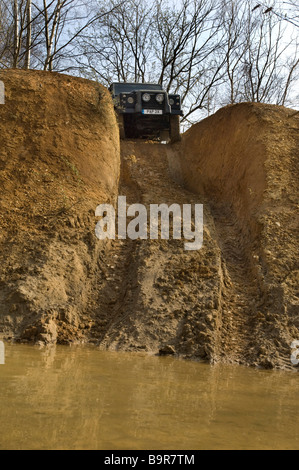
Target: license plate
<point>152,111</point>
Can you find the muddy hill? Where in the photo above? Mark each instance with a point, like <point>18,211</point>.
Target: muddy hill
<point>233,301</point>
<point>59,156</point>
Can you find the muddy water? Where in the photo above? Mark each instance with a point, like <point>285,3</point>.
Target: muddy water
<point>82,398</point>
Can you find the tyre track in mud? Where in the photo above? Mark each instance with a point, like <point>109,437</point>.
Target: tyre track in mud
<point>157,297</point>
<point>153,283</point>
<point>241,296</point>
<point>118,288</point>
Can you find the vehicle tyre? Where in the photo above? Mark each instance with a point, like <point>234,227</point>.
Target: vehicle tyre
<point>121,125</point>
<point>175,129</point>
<point>164,136</point>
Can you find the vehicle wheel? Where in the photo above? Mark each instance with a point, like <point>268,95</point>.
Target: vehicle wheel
<point>164,136</point>
<point>175,129</point>
<point>121,125</point>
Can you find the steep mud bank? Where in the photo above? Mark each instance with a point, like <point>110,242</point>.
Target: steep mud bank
<point>244,159</point>
<point>235,300</point>
<point>59,158</point>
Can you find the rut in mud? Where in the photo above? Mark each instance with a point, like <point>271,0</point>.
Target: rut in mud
<point>244,160</point>
<point>241,294</point>
<point>159,297</point>
<point>119,287</point>
<point>157,285</point>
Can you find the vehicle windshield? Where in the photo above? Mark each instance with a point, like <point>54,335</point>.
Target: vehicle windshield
<point>129,87</point>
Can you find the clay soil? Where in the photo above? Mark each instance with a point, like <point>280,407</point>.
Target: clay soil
<point>233,301</point>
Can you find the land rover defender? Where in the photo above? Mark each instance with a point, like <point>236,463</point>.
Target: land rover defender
<point>147,111</point>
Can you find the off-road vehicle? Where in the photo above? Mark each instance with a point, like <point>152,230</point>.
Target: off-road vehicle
<point>147,111</point>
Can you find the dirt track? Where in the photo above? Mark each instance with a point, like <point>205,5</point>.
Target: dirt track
<point>160,283</point>
<point>235,300</point>
<point>210,304</point>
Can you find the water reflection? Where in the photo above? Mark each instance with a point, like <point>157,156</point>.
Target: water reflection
<point>83,398</point>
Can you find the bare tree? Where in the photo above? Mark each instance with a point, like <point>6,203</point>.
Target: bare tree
<point>174,45</point>
<point>283,10</point>
<point>42,34</point>
<point>6,34</point>
<point>119,45</point>
<point>233,47</point>
<point>17,33</point>
<point>28,34</point>
<point>261,56</point>
<point>51,28</point>
<point>17,37</point>
<point>211,52</point>
<point>22,39</point>
<point>292,78</point>
<point>64,23</point>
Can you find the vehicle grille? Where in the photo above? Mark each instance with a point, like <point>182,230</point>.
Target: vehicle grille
<point>153,104</point>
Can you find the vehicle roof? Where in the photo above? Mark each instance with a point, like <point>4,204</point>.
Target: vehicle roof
<point>135,83</point>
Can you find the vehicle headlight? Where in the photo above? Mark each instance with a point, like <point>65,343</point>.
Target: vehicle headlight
<point>160,98</point>
<point>146,97</point>
<point>130,100</point>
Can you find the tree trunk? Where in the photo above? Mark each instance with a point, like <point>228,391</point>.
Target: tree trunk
<point>28,37</point>
<point>50,36</point>
<point>16,34</point>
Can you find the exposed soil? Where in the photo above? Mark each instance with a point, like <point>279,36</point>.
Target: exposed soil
<point>167,298</point>
<point>59,158</point>
<point>244,159</point>
<point>235,300</point>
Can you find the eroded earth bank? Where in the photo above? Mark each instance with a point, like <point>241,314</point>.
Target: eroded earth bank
<point>235,300</point>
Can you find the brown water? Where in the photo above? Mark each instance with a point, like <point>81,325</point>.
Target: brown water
<point>82,398</point>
